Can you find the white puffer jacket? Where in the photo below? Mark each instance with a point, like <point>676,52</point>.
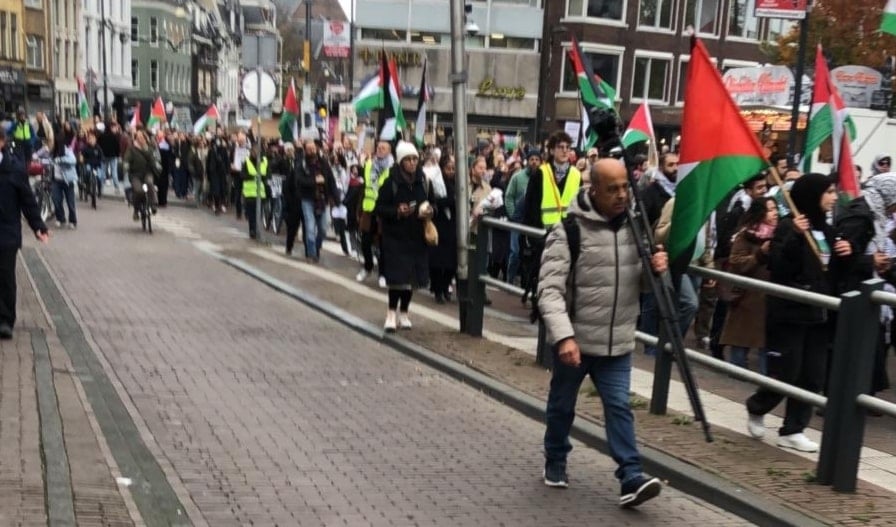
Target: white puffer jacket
<point>607,284</point>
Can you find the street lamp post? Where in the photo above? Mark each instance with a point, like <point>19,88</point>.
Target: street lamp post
<point>459,92</point>
<point>798,87</point>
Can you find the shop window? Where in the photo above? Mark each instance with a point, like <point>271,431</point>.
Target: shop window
<point>430,38</point>
<point>605,65</point>
<point>34,57</point>
<point>502,41</point>
<point>606,9</point>
<point>703,16</point>
<point>741,21</point>
<point>651,78</point>
<point>657,14</point>
<point>384,34</point>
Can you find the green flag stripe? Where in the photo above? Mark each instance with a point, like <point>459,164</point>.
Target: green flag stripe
<point>633,136</point>
<point>701,191</point>
<point>888,23</point>
<point>821,126</point>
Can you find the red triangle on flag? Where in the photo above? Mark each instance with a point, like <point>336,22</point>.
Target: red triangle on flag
<point>290,103</point>
<point>712,125</point>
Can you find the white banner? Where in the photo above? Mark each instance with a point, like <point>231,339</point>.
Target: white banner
<point>337,41</point>
<point>348,119</point>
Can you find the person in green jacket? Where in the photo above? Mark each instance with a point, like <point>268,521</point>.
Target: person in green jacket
<point>513,200</point>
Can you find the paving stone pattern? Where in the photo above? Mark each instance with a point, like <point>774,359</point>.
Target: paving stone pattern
<point>272,414</point>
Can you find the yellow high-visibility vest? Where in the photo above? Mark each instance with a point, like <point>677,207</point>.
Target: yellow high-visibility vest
<point>371,192</point>
<point>553,205</point>
<point>22,132</point>
<point>249,186</point>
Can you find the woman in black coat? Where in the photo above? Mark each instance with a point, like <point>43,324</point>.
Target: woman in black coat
<point>217,166</point>
<point>443,257</point>
<point>398,206</point>
<point>797,335</point>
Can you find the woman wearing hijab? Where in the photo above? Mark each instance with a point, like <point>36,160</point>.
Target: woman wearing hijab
<point>881,164</point>
<point>443,257</point>
<point>797,335</point>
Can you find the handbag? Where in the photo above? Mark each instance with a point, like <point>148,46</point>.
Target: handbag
<point>430,233</point>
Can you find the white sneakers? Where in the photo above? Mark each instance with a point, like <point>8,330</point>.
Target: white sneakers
<point>382,282</point>
<point>403,321</point>
<point>362,275</point>
<point>390,325</point>
<point>798,442</point>
<point>756,425</point>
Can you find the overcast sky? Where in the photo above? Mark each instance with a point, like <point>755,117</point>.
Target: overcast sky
<point>347,8</point>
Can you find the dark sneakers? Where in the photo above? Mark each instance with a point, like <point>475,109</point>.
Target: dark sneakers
<point>555,475</point>
<point>5,331</point>
<point>639,490</point>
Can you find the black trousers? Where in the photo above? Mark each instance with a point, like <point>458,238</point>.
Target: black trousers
<point>162,185</point>
<point>797,354</point>
<point>293,221</point>
<point>250,216</point>
<point>8,286</point>
<point>440,279</point>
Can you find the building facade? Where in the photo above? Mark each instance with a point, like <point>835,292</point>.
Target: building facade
<point>642,50</point>
<point>65,53</point>
<point>36,32</point>
<point>161,60</point>
<point>229,21</point>
<point>106,55</point>
<point>12,58</point>
<point>503,60</point>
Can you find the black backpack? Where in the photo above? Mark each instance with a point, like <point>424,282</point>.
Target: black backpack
<point>574,242</point>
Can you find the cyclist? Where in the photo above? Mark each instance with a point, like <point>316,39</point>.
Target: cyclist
<point>142,164</point>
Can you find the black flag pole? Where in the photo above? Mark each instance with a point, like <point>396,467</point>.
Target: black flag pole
<point>604,123</point>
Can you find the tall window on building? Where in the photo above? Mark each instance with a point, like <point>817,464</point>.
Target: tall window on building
<point>4,36</point>
<point>656,14</point>
<point>651,79</point>
<point>135,73</point>
<point>135,29</point>
<point>34,54</point>
<point>154,75</point>
<point>154,31</point>
<point>14,35</point>
<point>703,16</point>
<point>607,9</point>
<point>604,64</point>
<point>682,79</point>
<point>741,21</point>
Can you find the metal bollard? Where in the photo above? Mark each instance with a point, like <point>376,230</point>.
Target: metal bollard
<point>662,374</point>
<point>476,288</point>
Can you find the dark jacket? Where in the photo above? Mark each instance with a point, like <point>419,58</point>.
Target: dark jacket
<point>290,170</point>
<point>444,255</point>
<point>306,184</point>
<point>142,163</point>
<point>654,198</point>
<point>403,242</point>
<point>217,166</point>
<point>855,224</point>
<point>16,199</point>
<point>93,156</point>
<point>109,143</point>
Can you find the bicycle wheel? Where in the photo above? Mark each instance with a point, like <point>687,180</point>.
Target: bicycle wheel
<point>46,207</point>
<point>277,216</point>
<point>148,221</point>
<point>93,190</point>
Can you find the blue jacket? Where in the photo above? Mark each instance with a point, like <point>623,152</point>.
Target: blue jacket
<point>66,166</point>
<point>16,199</point>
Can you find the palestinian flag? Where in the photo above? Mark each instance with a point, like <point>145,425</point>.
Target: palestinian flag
<point>888,20</point>
<point>586,138</point>
<point>156,115</point>
<point>829,117</point>
<point>83,105</point>
<point>392,125</point>
<point>594,92</point>
<point>210,117</point>
<point>640,128</point>
<point>370,97</point>
<point>422,101</point>
<point>135,118</point>
<point>848,180</point>
<point>718,151</point>
<point>289,119</point>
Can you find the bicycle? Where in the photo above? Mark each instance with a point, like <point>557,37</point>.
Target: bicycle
<point>274,205</point>
<point>88,185</point>
<point>145,211</point>
<point>42,193</point>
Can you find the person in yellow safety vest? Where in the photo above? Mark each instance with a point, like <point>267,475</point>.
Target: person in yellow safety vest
<point>22,134</point>
<point>251,188</point>
<point>553,188</point>
<point>376,171</point>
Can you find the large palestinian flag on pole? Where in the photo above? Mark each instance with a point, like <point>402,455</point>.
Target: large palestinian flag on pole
<point>422,103</point>
<point>594,92</point>
<point>888,18</point>
<point>289,119</point>
<point>718,151</point>
<point>83,106</point>
<point>640,128</point>
<point>392,125</point>
<point>156,115</point>
<point>209,118</point>
<point>829,117</point>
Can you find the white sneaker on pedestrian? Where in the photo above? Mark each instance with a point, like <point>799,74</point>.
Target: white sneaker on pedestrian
<point>756,425</point>
<point>390,325</point>
<point>403,321</point>
<point>799,442</point>
<point>382,282</point>
<point>58,224</point>
<point>362,275</point>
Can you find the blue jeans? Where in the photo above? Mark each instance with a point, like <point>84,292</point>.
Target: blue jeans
<point>612,378</point>
<point>513,260</point>
<point>58,191</point>
<point>315,225</point>
<point>110,170</point>
<point>739,358</point>
<point>688,303</point>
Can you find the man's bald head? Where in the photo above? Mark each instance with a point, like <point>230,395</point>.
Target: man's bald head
<point>609,187</point>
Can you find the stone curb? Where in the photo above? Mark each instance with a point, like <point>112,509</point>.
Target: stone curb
<point>681,475</point>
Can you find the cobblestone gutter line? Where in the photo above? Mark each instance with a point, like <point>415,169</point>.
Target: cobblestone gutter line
<point>717,491</point>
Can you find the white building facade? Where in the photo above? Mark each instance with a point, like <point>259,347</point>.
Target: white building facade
<point>105,32</point>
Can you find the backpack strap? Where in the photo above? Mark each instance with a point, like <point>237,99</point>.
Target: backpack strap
<point>574,242</point>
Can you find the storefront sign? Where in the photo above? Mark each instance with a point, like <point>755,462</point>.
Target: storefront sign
<point>856,84</point>
<point>337,43</point>
<point>792,9</point>
<point>11,76</point>
<point>768,85</point>
<point>406,58</point>
<point>488,88</point>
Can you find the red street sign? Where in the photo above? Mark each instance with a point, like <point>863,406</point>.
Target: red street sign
<point>791,9</point>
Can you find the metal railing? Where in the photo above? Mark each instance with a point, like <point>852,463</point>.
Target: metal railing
<point>855,343</point>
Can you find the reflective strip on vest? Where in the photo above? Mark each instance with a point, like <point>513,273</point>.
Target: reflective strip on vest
<point>552,210</point>
<point>371,192</point>
<point>249,185</point>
